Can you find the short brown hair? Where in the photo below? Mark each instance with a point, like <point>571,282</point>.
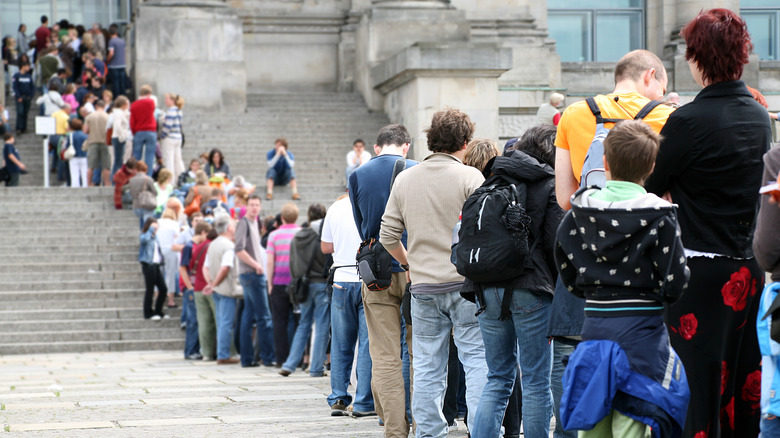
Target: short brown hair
<point>290,213</point>
<point>120,101</point>
<point>202,227</point>
<point>281,140</point>
<point>75,124</point>
<point>450,129</point>
<point>145,90</point>
<point>141,167</point>
<point>630,149</point>
<point>479,152</point>
<point>131,163</point>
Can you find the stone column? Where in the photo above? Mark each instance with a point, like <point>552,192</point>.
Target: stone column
<point>2,81</point>
<point>428,77</point>
<point>194,48</point>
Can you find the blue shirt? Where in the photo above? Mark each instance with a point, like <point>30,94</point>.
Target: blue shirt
<point>281,164</point>
<point>369,189</point>
<point>23,85</point>
<point>8,150</point>
<point>118,59</point>
<point>79,138</point>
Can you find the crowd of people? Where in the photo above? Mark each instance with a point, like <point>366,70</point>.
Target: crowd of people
<point>605,269</point>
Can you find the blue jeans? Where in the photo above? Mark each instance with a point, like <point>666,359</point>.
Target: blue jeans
<point>316,308</point>
<point>226,315</point>
<point>526,332</point>
<point>561,348</point>
<point>22,109</point>
<point>144,147</point>
<point>280,178</point>
<point>433,317</point>
<point>142,215</point>
<point>119,153</point>
<point>117,77</point>
<point>256,310</point>
<point>348,326</point>
<point>191,343</point>
<point>770,427</point>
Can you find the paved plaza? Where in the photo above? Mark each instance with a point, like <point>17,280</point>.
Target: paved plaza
<point>157,393</point>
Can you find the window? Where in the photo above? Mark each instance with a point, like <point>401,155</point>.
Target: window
<point>596,30</point>
<point>763,22</point>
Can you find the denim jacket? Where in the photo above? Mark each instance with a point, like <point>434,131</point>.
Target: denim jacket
<point>770,351</point>
<point>146,250</point>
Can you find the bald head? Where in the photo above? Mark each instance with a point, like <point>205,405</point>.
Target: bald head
<point>634,64</point>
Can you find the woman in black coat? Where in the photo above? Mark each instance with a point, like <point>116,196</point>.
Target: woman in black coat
<point>710,164</point>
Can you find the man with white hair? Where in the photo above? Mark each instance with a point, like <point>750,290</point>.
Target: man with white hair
<point>221,274</point>
<point>548,112</point>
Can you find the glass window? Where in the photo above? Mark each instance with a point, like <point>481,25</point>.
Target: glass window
<point>596,30</point>
<point>762,23</point>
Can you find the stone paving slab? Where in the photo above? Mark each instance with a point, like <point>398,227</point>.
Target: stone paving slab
<point>157,393</point>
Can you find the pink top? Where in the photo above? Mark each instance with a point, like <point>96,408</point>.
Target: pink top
<point>71,100</point>
<point>279,247</point>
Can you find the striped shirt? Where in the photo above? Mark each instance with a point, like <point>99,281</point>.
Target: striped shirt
<point>172,124</point>
<point>279,248</point>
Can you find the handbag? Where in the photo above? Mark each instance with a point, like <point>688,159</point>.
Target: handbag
<point>194,205</point>
<point>5,175</point>
<point>70,151</point>
<point>147,200</point>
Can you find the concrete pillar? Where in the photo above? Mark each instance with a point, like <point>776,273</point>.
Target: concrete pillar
<point>2,80</point>
<point>428,77</point>
<point>194,48</point>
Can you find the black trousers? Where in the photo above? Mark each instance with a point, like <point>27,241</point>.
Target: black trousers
<point>153,276</point>
<point>281,313</point>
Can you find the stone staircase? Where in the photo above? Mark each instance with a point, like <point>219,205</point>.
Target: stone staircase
<point>69,276</point>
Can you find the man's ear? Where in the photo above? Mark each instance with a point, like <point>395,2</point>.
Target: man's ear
<point>648,76</point>
<point>377,149</point>
<point>606,164</point>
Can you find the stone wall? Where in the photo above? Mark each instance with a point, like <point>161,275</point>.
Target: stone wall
<point>194,49</point>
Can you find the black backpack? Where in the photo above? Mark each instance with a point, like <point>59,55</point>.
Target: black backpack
<point>493,238</point>
<point>494,241</point>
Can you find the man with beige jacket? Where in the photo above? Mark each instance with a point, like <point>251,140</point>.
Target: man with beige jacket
<point>426,200</point>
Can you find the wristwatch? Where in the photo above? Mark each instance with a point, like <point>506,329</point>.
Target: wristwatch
<point>405,267</point>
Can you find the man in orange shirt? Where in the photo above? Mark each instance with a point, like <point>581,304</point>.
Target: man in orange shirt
<point>640,77</point>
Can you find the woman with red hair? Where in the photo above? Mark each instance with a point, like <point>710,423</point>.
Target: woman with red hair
<point>710,163</point>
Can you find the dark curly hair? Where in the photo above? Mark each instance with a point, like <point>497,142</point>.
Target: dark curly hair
<point>450,130</point>
<point>719,42</point>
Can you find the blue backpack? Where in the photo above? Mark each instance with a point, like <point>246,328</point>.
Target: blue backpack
<point>593,168</point>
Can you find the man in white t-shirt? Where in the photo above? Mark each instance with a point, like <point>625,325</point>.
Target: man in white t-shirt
<point>219,271</point>
<point>357,157</point>
<point>340,237</point>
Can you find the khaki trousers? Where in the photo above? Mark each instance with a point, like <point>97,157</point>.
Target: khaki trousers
<point>383,319</point>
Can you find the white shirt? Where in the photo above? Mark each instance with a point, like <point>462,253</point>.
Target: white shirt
<point>364,157</point>
<point>167,233</point>
<point>227,259</point>
<point>340,230</point>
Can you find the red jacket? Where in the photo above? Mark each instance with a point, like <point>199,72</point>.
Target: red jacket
<point>142,116</point>
<point>121,177</point>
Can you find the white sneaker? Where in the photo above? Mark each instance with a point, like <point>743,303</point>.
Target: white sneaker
<point>453,427</point>
<point>156,318</point>
<point>166,317</point>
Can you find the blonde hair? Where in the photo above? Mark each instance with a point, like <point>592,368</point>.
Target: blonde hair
<point>176,99</point>
<point>121,101</point>
<point>164,175</point>
<point>242,195</point>
<point>479,151</point>
<point>145,90</point>
<point>168,213</point>
<point>86,40</point>
<point>290,213</point>
<point>70,88</point>
<point>201,177</point>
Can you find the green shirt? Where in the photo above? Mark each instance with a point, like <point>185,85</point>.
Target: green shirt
<point>615,191</point>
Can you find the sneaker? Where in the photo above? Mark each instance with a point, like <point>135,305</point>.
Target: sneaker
<point>296,197</point>
<point>166,317</point>
<point>229,361</point>
<point>194,356</point>
<point>452,427</point>
<point>358,414</point>
<point>338,409</point>
<point>156,318</point>
<point>284,372</point>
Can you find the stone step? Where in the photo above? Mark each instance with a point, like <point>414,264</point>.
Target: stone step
<point>72,294</point>
<point>63,249</point>
<point>75,275</point>
<point>133,322</point>
<point>132,300</point>
<point>104,314</point>
<point>94,346</point>
<point>61,266</point>
<point>151,333</point>
<point>40,261</point>
<point>85,283</point>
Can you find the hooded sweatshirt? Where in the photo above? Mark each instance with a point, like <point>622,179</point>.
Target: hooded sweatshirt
<point>624,257</point>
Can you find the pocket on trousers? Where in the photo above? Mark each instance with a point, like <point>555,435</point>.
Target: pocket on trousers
<point>426,320</point>
<point>339,296</point>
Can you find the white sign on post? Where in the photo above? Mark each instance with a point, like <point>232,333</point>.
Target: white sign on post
<point>45,126</point>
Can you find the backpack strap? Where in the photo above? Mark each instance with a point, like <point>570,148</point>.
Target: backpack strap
<point>594,108</point>
<point>398,167</point>
<point>509,288</point>
<point>646,109</point>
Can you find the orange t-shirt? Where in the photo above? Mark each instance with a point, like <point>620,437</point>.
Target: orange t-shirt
<point>578,124</point>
